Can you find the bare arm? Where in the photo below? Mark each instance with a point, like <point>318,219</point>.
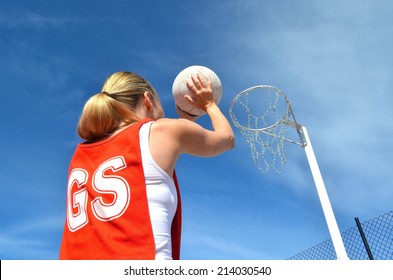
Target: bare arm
<point>169,138</point>
<point>202,142</point>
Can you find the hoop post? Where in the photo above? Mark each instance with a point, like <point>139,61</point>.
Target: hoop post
<point>324,199</point>
<point>269,120</point>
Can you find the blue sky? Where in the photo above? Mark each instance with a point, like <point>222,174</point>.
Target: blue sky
<point>333,59</point>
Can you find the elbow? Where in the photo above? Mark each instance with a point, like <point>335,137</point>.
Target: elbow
<point>231,142</point>
<point>225,143</point>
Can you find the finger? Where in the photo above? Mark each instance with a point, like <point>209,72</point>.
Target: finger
<point>201,79</point>
<point>189,99</point>
<point>191,85</point>
<point>210,83</point>
<point>197,80</point>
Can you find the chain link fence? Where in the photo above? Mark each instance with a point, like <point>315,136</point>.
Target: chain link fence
<point>372,239</point>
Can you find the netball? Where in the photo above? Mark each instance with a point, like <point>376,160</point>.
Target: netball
<point>179,88</point>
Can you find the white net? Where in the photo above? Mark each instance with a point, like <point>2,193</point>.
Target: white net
<point>263,114</point>
<point>265,118</point>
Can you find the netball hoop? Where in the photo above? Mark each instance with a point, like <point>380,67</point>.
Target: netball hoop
<point>264,116</point>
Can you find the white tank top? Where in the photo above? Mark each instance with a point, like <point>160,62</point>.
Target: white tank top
<point>161,195</point>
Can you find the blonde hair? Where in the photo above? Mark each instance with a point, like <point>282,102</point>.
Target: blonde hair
<point>114,107</point>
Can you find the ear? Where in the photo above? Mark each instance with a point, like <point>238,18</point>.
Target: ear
<point>147,101</point>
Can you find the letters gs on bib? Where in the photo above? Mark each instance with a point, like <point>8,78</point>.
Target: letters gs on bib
<point>77,202</point>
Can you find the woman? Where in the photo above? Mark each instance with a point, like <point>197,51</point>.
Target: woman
<point>122,196</point>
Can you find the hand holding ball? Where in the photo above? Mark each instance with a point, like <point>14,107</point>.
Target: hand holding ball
<point>180,88</point>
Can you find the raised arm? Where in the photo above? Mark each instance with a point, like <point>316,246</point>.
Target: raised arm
<point>172,137</point>
<point>202,142</point>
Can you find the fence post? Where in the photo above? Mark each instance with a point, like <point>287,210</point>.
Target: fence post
<point>370,255</point>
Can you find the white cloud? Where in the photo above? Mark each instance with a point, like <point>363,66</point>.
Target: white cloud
<point>31,20</point>
<point>31,239</point>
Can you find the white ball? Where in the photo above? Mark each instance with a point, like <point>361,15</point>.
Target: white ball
<point>179,88</point>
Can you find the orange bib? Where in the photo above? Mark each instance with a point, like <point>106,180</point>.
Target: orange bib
<point>107,208</point>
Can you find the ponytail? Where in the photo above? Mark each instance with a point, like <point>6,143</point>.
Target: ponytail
<point>114,107</point>
<point>101,116</point>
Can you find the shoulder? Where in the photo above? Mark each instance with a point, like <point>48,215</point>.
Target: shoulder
<point>175,127</point>
<point>175,124</point>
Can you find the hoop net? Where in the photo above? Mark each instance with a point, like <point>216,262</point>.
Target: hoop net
<point>264,116</point>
